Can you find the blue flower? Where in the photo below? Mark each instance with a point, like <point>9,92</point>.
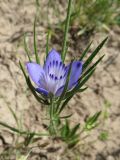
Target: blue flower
<point>52,76</point>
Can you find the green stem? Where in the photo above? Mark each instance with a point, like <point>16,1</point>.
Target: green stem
<point>52,126</point>
<point>64,48</point>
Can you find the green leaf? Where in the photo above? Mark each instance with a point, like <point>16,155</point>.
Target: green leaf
<point>74,130</point>
<point>82,89</point>
<point>64,47</point>
<point>21,66</point>
<point>91,57</point>
<point>65,130</point>
<point>103,136</point>
<point>14,115</point>
<point>92,121</point>
<point>64,105</point>
<point>68,116</point>
<point>35,43</point>
<point>47,43</point>
<point>26,48</point>
<point>21,132</point>
<point>29,138</point>
<point>93,66</point>
<point>79,85</point>
<point>85,52</point>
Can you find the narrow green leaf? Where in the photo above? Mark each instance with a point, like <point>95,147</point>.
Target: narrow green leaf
<point>21,66</point>
<point>66,30</point>
<point>35,43</point>
<point>68,116</point>
<point>86,78</point>
<point>64,105</point>
<point>92,121</point>
<point>79,85</point>
<point>90,58</point>
<point>94,65</point>
<point>73,142</point>
<point>94,118</point>
<point>29,139</point>
<point>75,129</point>
<point>47,43</point>
<point>82,89</point>
<point>85,52</point>
<point>14,115</point>
<point>65,130</point>
<point>26,48</point>
<point>21,132</point>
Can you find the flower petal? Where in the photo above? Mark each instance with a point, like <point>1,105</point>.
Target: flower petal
<point>53,55</point>
<point>75,73</point>
<point>41,90</point>
<point>59,91</point>
<point>35,72</point>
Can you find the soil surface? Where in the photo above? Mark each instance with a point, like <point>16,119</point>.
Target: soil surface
<point>16,17</point>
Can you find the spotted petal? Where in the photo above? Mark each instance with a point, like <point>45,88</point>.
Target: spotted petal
<point>76,71</point>
<point>35,72</point>
<point>53,55</point>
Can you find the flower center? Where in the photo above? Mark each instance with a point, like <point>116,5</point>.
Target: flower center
<point>56,70</point>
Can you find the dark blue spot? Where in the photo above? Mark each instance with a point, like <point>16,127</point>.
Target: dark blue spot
<point>78,64</point>
<point>52,76</point>
<point>56,63</point>
<point>56,78</point>
<point>60,77</point>
<point>60,63</point>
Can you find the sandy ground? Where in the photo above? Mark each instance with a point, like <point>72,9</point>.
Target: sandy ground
<point>16,17</point>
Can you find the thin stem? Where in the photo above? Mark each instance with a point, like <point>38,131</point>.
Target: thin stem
<point>52,126</point>
<point>64,48</point>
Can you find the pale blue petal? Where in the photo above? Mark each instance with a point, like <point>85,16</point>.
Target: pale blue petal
<point>76,71</point>
<point>53,55</point>
<point>59,91</point>
<point>43,91</point>
<point>35,72</point>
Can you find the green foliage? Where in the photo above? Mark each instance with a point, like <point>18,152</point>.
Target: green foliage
<point>92,121</point>
<point>95,13</point>
<point>103,135</point>
<point>70,135</point>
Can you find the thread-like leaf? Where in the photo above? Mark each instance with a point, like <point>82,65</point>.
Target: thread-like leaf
<point>85,52</point>
<point>75,129</point>
<point>91,57</point>
<point>79,85</point>
<point>35,42</point>
<point>26,48</point>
